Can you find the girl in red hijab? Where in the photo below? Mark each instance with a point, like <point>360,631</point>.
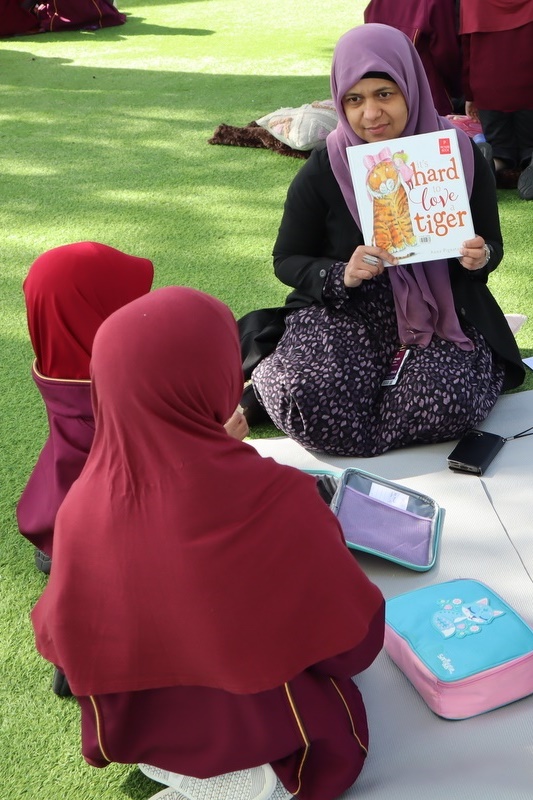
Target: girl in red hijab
<point>69,291</point>
<point>203,604</point>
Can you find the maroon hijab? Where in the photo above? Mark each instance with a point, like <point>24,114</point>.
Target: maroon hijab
<point>422,294</point>
<point>182,556</point>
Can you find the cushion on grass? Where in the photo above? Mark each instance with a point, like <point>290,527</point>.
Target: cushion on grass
<point>301,128</point>
<point>515,321</point>
<point>253,135</point>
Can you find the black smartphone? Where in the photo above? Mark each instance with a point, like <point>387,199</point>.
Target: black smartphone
<point>475,451</point>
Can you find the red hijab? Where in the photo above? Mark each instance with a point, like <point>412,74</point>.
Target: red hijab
<point>69,291</point>
<point>182,557</point>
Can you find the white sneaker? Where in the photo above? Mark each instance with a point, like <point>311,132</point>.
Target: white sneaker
<point>168,794</point>
<point>258,783</point>
<point>280,793</point>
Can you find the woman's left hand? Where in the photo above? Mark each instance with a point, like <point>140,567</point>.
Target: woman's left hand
<point>474,253</point>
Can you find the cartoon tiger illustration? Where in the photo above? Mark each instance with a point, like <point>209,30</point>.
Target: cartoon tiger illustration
<point>392,224</point>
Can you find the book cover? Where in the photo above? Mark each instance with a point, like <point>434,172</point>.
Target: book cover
<point>411,195</point>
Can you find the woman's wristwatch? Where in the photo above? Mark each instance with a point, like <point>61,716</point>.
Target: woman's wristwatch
<point>488,253</point>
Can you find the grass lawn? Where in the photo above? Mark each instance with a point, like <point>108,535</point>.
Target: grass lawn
<point>103,136</point>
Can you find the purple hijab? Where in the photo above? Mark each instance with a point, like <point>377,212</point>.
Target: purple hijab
<point>422,294</point>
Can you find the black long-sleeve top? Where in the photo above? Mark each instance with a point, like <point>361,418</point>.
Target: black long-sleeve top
<point>318,230</point>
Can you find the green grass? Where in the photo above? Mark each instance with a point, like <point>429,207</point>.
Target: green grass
<point>104,136</point>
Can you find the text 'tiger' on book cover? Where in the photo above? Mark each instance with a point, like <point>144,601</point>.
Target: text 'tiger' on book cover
<point>411,195</point>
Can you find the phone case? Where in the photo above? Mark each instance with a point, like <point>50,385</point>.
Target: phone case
<point>475,451</point>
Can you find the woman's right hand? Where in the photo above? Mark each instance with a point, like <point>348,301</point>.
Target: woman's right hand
<point>365,263</point>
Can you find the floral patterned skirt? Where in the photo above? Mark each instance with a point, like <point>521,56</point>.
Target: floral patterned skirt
<point>322,386</point>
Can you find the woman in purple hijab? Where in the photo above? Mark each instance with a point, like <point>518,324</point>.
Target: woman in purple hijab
<point>350,325</point>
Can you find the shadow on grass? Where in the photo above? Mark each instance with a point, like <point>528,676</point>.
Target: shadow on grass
<point>134,26</point>
<point>122,154</point>
<point>138,787</point>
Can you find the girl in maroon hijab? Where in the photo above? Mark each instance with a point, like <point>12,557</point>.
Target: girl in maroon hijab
<point>203,605</point>
<point>497,42</point>
<point>69,291</point>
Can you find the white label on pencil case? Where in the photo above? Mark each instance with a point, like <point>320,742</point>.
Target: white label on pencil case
<point>389,496</point>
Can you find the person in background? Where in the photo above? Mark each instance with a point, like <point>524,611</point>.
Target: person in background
<point>432,26</point>
<point>195,580</point>
<point>64,15</point>
<point>27,16</point>
<point>350,318</point>
<point>16,18</point>
<point>69,291</point>
<point>497,45</point>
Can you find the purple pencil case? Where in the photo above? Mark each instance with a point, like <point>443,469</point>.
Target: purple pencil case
<point>387,519</point>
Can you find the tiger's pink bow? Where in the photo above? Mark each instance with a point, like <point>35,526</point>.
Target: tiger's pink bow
<point>370,161</point>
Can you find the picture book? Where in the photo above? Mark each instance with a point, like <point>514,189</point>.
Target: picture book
<point>412,196</point>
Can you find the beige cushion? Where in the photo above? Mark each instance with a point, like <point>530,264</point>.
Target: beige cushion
<point>304,127</point>
<point>515,321</point>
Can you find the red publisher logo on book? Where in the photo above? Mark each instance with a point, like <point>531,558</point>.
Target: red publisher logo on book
<point>444,147</point>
